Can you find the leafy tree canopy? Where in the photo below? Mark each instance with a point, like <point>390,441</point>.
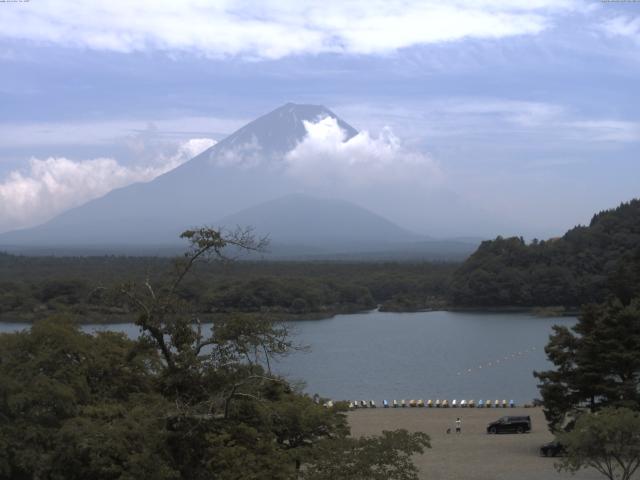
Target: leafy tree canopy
<point>585,265</point>
<point>597,362</point>
<point>608,441</point>
<point>178,403</point>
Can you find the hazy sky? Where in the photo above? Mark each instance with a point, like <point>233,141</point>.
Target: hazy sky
<point>527,109</point>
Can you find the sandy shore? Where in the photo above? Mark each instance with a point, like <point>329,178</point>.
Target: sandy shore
<point>473,454</point>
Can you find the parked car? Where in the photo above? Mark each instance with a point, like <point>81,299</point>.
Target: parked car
<point>510,424</point>
<point>552,449</point>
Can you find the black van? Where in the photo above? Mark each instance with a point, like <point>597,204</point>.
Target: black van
<point>510,425</point>
<point>553,449</point>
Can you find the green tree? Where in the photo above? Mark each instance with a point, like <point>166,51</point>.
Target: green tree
<point>180,402</point>
<point>608,441</point>
<point>73,405</point>
<point>585,265</point>
<point>386,457</point>
<point>597,362</point>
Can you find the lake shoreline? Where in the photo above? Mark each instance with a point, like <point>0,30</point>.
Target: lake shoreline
<point>117,319</point>
<point>411,355</point>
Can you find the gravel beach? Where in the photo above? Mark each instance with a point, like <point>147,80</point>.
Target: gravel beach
<point>473,454</point>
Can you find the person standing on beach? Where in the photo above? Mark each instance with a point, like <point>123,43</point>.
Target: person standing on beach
<point>458,425</point>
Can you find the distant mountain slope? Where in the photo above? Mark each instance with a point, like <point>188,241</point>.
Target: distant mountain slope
<point>277,132</point>
<point>299,219</point>
<point>585,265</point>
<point>230,183</point>
<point>208,187</point>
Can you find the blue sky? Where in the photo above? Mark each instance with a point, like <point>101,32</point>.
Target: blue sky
<point>529,109</point>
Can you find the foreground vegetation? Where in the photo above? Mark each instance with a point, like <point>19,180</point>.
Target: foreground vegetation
<point>608,441</point>
<point>178,403</point>
<point>592,396</point>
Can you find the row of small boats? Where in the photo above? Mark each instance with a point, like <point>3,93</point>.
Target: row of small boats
<point>434,404</point>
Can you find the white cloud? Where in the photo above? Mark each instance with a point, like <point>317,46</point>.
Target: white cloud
<point>244,156</point>
<point>473,120</point>
<point>623,26</point>
<point>273,28</point>
<point>52,185</point>
<point>108,132</point>
<point>606,130</point>
<point>323,157</point>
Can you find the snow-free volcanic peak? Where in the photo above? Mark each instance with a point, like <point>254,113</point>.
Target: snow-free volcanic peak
<point>279,131</point>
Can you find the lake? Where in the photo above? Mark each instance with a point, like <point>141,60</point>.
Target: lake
<point>378,355</point>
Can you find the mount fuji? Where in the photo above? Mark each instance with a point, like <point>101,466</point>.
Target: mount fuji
<point>240,180</point>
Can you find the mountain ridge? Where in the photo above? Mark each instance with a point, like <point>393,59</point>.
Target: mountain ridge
<point>199,191</point>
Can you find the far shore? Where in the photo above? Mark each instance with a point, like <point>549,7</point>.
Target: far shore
<point>116,318</point>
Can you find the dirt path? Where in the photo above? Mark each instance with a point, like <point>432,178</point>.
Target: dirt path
<point>472,455</point>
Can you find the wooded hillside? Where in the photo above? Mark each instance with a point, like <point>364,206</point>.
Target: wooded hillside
<point>583,266</point>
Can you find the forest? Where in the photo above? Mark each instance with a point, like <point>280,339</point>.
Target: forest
<point>83,286</point>
<point>586,265</point>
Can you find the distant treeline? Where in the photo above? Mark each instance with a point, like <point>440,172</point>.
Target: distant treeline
<point>584,266</point>
<point>32,287</point>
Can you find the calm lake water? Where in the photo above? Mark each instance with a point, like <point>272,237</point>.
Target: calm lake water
<point>424,355</point>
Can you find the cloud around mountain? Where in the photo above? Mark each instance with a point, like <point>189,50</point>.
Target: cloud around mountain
<point>327,157</point>
<point>292,149</point>
<point>324,155</point>
<point>55,184</point>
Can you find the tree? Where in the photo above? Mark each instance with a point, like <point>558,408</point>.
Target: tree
<point>160,307</point>
<point>608,441</point>
<point>597,362</point>
<point>387,457</point>
<point>177,403</point>
<point>585,265</point>
<point>75,406</point>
